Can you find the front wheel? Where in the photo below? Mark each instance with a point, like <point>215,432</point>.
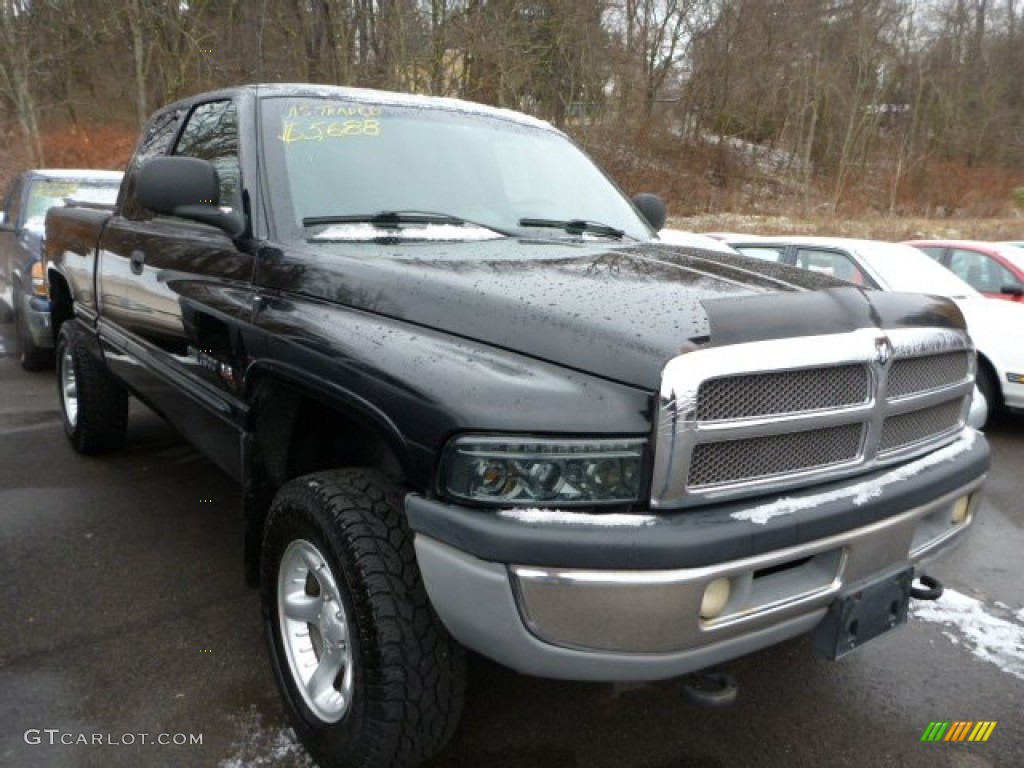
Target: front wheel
<point>989,389</point>
<point>369,674</point>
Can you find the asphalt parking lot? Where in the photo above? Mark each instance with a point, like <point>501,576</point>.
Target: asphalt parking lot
<point>124,613</point>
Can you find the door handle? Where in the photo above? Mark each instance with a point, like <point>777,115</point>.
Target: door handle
<point>138,260</point>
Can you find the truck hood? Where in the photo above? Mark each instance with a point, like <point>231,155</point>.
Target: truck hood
<point>619,312</point>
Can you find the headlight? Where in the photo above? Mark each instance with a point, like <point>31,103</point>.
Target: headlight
<point>543,472</point>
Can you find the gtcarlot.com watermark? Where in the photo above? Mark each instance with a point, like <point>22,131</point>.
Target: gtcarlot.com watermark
<point>57,737</point>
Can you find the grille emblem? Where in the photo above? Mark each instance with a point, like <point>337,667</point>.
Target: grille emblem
<point>883,350</point>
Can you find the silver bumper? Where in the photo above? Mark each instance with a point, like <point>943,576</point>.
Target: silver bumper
<point>37,322</point>
<point>645,625</point>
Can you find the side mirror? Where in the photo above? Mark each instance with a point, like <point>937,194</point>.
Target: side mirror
<point>1012,289</point>
<point>652,208</point>
<point>187,187</point>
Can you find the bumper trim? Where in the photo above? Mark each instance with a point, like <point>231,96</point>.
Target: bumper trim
<point>476,604</point>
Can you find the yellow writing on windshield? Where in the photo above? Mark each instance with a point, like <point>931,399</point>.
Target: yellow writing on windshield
<point>322,130</point>
<point>56,188</point>
<point>333,110</point>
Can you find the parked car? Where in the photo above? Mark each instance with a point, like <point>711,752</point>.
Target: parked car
<point>22,284</point>
<point>994,269</point>
<point>473,402</point>
<point>996,327</point>
<point>693,240</point>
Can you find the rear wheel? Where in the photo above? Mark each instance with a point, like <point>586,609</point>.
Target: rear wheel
<point>369,674</point>
<point>93,404</point>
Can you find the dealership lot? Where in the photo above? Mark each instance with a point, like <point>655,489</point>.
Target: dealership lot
<point>127,636</point>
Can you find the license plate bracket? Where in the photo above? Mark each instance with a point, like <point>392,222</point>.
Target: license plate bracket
<point>863,612</point>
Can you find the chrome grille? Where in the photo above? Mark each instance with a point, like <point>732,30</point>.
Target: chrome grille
<point>757,457</point>
<point>773,415</point>
<point>909,428</point>
<point>769,394</point>
<point>922,374</point>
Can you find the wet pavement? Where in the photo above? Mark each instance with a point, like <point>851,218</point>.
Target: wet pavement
<point>124,622</point>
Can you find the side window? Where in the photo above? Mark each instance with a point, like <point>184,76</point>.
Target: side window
<point>1003,276</point>
<point>763,252</point>
<point>156,140</point>
<point>832,263</point>
<point>933,251</point>
<point>211,133</point>
<point>977,269</point>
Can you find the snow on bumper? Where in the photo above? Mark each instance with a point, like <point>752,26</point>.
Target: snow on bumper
<point>634,624</point>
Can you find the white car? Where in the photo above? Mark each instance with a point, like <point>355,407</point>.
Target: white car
<point>997,327</point>
<point>693,240</point>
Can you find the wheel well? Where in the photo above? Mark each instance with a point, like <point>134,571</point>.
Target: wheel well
<point>990,371</point>
<point>61,307</point>
<point>292,433</point>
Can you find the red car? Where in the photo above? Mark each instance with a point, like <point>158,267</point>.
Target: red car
<point>994,269</point>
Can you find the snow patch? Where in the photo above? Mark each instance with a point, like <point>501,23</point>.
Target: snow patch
<point>562,517</point>
<point>862,492</point>
<point>448,232</point>
<point>990,638</point>
<point>265,746</point>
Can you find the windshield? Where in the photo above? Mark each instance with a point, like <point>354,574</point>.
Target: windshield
<point>904,268</point>
<point>352,159</point>
<point>48,193</point>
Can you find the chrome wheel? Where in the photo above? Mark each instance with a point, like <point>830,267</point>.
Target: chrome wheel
<point>69,387</point>
<point>315,631</point>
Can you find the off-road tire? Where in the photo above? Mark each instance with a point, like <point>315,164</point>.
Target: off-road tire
<point>102,401</point>
<point>408,674</point>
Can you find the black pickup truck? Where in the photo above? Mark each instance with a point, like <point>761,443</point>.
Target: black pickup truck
<point>473,402</point>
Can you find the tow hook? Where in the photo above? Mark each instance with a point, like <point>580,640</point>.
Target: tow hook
<point>932,589</point>
<point>711,689</point>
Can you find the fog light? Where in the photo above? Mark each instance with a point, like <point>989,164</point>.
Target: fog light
<point>960,507</point>
<point>716,595</point>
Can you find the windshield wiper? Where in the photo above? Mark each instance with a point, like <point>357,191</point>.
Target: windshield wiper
<point>394,220</point>
<point>575,227</point>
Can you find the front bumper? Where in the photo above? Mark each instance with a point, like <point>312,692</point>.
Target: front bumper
<point>1013,391</point>
<point>35,310</point>
<point>638,617</point>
